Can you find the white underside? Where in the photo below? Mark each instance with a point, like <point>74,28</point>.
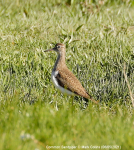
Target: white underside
<point>54,80</point>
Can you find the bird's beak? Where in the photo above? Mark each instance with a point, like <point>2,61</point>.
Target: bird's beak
<point>52,49</point>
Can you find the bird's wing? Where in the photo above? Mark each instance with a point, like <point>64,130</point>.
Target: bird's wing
<point>67,79</point>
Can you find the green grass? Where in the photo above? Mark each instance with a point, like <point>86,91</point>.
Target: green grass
<point>99,40</point>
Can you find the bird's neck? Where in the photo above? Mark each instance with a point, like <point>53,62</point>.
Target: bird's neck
<point>60,62</point>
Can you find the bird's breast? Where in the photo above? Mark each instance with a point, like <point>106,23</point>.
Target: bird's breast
<point>56,84</point>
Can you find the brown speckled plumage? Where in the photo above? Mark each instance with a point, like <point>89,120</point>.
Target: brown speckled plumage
<point>65,77</point>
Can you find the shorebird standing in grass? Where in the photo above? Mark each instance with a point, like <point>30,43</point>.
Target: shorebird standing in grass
<point>63,79</point>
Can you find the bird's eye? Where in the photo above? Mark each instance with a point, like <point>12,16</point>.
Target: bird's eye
<point>58,46</point>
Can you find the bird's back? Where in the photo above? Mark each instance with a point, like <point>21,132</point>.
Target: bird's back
<point>67,79</point>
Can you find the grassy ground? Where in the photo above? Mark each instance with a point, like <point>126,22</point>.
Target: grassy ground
<point>99,38</point>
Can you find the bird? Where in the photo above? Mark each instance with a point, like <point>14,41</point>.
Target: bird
<point>63,79</point>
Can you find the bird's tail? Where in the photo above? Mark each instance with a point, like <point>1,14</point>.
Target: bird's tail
<point>93,100</point>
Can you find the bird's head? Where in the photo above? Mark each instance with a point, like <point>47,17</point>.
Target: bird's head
<point>59,48</point>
